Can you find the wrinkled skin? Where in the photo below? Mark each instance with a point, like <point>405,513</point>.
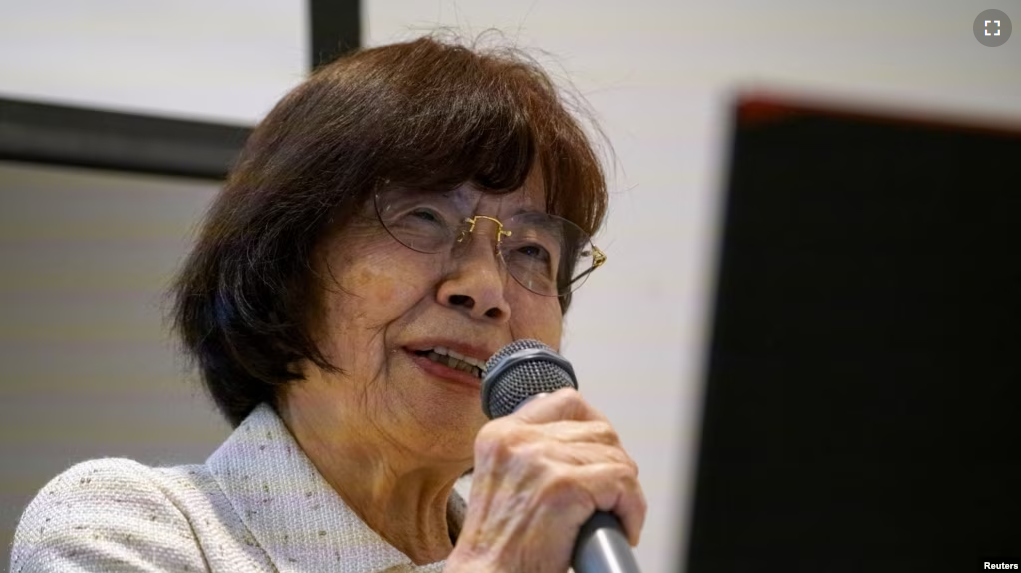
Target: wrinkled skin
<point>392,439</point>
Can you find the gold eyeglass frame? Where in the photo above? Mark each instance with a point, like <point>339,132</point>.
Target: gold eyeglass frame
<point>468,229</point>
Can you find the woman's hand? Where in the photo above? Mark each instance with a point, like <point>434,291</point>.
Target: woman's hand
<point>540,473</point>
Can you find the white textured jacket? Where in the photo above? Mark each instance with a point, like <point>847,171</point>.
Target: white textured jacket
<point>257,504</point>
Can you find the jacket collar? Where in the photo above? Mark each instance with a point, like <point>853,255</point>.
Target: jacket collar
<point>290,509</point>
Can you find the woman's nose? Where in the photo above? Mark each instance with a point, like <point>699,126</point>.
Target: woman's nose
<point>476,283</point>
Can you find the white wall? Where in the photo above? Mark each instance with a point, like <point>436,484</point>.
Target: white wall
<point>660,75</point>
<point>224,60</point>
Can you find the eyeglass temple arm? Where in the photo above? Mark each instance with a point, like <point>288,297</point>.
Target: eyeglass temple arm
<point>598,258</point>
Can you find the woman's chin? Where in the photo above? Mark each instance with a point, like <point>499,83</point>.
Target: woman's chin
<point>443,415</point>
<point>448,434</point>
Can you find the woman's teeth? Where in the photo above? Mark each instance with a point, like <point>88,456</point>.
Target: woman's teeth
<point>455,360</point>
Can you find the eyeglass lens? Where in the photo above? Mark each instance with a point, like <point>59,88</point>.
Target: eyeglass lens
<point>544,253</point>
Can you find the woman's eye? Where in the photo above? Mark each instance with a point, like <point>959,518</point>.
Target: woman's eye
<point>535,252</point>
<point>425,215</point>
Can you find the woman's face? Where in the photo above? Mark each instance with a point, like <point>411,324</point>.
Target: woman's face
<point>385,306</point>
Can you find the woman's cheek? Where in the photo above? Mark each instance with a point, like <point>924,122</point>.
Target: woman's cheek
<point>539,318</point>
<point>393,278</point>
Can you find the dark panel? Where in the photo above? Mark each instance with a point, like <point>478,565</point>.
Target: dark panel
<point>862,409</point>
<point>336,28</point>
<point>62,135</point>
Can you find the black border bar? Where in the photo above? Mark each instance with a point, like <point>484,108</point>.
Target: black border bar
<point>336,28</point>
<point>63,135</point>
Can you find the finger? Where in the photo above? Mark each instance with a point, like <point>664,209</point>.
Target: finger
<point>574,453</point>
<point>635,508</point>
<point>565,431</point>
<point>564,404</point>
<point>615,489</point>
<point>571,431</point>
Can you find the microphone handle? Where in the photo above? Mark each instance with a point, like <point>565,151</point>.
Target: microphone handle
<point>602,547</point>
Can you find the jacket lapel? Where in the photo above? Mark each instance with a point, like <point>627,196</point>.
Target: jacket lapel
<point>294,515</point>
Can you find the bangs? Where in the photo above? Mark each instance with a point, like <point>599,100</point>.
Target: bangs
<point>455,117</point>
<point>449,138</point>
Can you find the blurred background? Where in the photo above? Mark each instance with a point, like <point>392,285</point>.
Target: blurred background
<point>86,366</point>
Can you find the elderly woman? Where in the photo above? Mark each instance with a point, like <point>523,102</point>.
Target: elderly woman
<point>394,221</point>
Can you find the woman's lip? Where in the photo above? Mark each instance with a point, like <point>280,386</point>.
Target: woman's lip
<point>449,374</point>
<point>479,353</point>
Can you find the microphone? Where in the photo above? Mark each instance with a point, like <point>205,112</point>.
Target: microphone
<point>522,371</point>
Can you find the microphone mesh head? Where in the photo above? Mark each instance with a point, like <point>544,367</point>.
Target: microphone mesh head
<point>519,371</point>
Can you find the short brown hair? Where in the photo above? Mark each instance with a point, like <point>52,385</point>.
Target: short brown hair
<point>426,113</point>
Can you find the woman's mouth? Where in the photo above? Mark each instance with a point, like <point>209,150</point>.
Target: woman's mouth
<point>454,360</point>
